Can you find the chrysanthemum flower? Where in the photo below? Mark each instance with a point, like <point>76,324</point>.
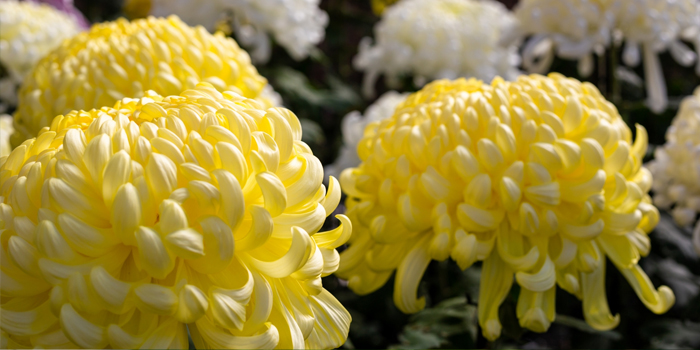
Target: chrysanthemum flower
<point>353,128</point>
<point>676,167</point>
<point>537,178</point>
<point>124,59</point>
<point>28,31</point>
<point>439,39</point>
<point>575,29</point>
<point>129,226</point>
<point>296,25</point>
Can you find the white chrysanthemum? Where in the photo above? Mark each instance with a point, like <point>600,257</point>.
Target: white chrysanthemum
<point>575,29</point>
<point>353,128</point>
<point>6,130</point>
<point>297,25</point>
<point>439,39</point>
<point>676,167</point>
<point>656,26</point>
<point>28,31</point>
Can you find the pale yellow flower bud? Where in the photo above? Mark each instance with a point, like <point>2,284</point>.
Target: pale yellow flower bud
<point>537,178</point>
<point>124,59</point>
<point>129,226</point>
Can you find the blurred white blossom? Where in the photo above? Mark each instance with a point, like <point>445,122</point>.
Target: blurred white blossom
<point>656,26</point>
<point>676,167</point>
<point>28,31</point>
<point>296,25</point>
<point>433,39</point>
<point>353,128</point>
<point>575,29</point>
<point>6,130</point>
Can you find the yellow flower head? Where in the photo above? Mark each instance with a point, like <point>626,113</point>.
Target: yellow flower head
<point>124,59</point>
<point>120,226</point>
<point>537,178</point>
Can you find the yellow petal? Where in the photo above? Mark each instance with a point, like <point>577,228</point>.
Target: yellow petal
<point>496,280</point>
<point>294,259</point>
<point>595,303</point>
<point>408,275</point>
<point>81,331</point>
<point>192,304</point>
<point>153,255</point>
<point>274,193</point>
<point>658,301</point>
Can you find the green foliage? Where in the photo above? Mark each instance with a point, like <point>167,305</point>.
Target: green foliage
<point>432,328</point>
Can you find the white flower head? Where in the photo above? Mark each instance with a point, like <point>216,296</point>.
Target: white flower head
<point>353,128</point>
<point>657,26</point>
<point>28,31</point>
<point>296,25</point>
<point>676,167</point>
<point>575,29</point>
<point>433,39</point>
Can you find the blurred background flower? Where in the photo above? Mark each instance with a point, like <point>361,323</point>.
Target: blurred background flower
<point>205,221</point>
<point>118,59</point>
<point>576,29</point>
<point>6,130</point>
<point>28,31</point>
<point>297,25</point>
<point>431,39</point>
<point>676,167</point>
<point>353,128</point>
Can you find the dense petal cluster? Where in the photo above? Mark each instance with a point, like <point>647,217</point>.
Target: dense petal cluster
<point>353,129</point>
<point>296,25</point>
<point>537,178</point>
<point>28,31</point>
<point>131,226</point>
<point>124,59</point>
<point>575,29</point>
<point>676,166</point>
<point>439,39</point>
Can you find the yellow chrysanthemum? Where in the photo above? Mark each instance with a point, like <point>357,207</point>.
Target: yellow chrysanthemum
<point>538,178</point>
<point>124,59</point>
<point>122,226</point>
<point>378,6</point>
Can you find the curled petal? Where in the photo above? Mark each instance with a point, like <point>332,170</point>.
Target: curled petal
<point>408,275</point>
<point>595,303</point>
<point>496,280</point>
<point>292,260</point>
<point>336,237</point>
<point>540,281</point>
<point>658,301</point>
